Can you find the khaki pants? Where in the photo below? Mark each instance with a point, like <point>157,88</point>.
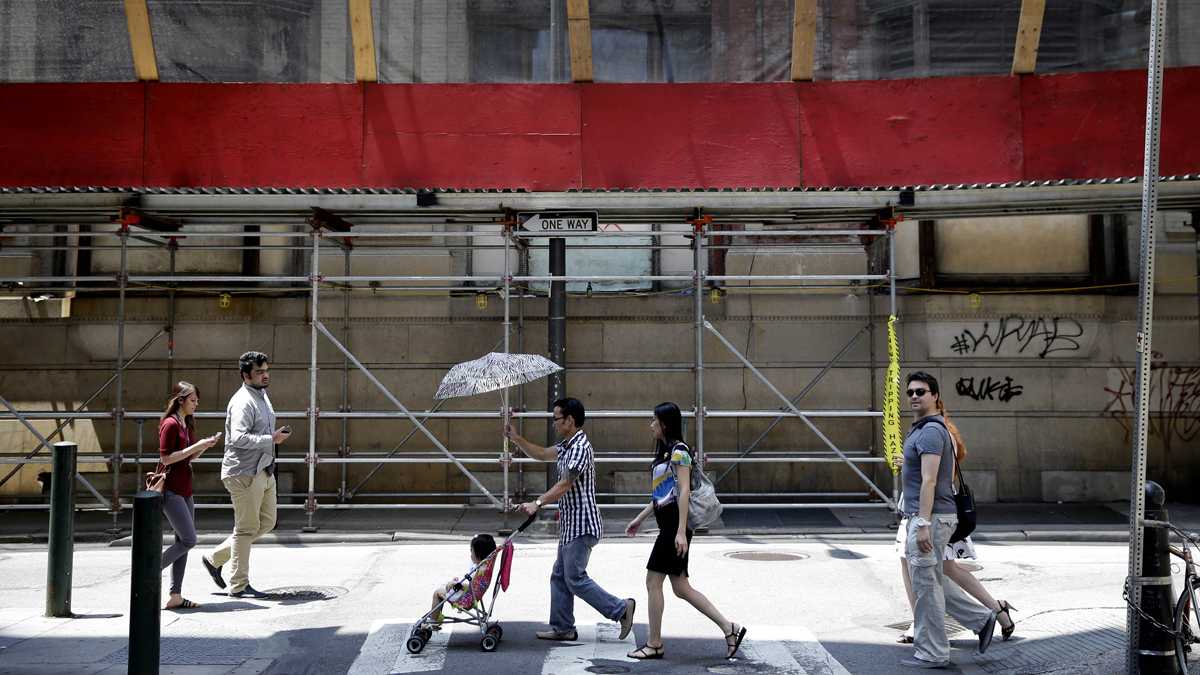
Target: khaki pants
<point>935,596</point>
<point>253,516</point>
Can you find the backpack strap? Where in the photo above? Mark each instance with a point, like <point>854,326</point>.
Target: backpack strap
<point>929,420</point>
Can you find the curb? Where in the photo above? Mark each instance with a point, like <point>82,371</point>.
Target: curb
<point>1024,535</point>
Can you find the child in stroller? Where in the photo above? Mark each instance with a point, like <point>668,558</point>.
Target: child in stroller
<point>467,594</point>
<point>463,592</point>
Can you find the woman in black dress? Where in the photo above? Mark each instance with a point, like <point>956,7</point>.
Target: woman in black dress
<point>670,489</point>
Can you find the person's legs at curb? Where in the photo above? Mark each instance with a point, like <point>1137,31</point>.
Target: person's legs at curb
<point>576,554</point>
<point>930,644</point>
<point>247,494</point>
<point>653,649</point>
<point>562,602</point>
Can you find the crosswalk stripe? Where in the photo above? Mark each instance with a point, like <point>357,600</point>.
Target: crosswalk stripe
<point>431,658</point>
<point>596,641</point>
<point>384,653</point>
<point>765,644</point>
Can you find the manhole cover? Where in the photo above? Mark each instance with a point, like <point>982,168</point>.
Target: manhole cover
<point>305,593</point>
<point>766,556</point>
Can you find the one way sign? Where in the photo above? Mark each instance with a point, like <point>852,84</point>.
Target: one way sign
<point>559,221</point>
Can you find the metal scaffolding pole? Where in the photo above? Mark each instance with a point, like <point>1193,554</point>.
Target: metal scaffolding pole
<point>119,412</point>
<point>344,450</point>
<point>891,242</point>
<point>1144,344</point>
<point>310,503</point>
<point>698,271</point>
<point>506,409</point>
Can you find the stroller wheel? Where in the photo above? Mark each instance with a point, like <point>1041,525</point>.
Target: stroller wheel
<point>496,631</point>
<point>489,642</point>
<point>415,644</point>
<point>424,634</point>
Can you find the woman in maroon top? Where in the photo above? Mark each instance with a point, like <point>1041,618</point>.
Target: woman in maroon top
<point>177,448</point>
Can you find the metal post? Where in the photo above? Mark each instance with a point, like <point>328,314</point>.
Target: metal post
<point>506,409</point>
<point>146,583</point>
<point>1144,345</point>
<point>700,267</point>
<point>62,530</point>
<point>172,249</point>
<point>119,412</point>
<point>557,338</point>
<point>891,240</point>
<point>310,504</point>
<point>345,448</point>
<point>1156,647</point>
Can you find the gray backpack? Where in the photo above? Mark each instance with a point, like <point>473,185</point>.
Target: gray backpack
<point>703,506</point>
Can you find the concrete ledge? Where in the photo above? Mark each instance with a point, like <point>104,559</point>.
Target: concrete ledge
<point>280,538</point>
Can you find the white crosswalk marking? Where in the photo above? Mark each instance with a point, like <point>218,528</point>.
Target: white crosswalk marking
<point>384,653</point>
<point>803,653</point>
<point>596,641</point>
<point>783,650</point>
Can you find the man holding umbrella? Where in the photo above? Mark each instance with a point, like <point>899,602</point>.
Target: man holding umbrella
<point>579,523</point>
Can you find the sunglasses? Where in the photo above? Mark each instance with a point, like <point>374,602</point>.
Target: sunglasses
<point>918,392</point>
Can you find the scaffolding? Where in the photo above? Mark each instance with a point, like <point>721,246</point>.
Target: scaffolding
<point>322,223</point>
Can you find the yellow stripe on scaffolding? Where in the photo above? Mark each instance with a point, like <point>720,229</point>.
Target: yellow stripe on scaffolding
<point>893,442</point>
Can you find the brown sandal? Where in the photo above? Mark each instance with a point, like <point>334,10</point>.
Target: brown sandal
<point>645,652</point>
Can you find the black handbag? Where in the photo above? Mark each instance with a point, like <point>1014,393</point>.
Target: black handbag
<point>964,503</point>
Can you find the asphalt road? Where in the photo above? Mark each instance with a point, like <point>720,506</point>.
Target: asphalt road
<point>810,608</point>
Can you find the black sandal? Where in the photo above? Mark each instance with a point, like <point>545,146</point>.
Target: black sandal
<point>1006,609</point>
<point>646,652</point>
<point>737,636</point>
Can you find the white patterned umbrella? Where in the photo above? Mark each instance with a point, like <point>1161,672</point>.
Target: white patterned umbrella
<point>493,372</point>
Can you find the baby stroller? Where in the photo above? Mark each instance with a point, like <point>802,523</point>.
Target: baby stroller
<point>470,600</point>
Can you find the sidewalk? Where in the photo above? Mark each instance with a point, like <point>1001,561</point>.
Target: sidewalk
<point>1088,522</point>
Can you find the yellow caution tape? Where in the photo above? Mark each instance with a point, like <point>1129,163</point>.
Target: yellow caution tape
<point>893,442</point>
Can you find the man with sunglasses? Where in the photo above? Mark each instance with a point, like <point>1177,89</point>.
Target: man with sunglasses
<point>579,525</point>
<point>928,506</point>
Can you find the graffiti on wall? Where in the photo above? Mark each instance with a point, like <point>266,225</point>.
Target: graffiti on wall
<point>1039,336</point>
<point>1174,400</point>
<point>988,388</point>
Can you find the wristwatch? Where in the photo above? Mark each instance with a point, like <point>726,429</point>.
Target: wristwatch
<point>538,502</point>
<point>920,522</point>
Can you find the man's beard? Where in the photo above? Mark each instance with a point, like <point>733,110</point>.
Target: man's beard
<point>258,386</point>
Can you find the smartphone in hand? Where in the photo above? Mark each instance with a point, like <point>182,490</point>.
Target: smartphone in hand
<point>287,428</point>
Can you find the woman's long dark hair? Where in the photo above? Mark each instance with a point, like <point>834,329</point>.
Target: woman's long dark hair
<point>179,394</point>
<point>671,423</point>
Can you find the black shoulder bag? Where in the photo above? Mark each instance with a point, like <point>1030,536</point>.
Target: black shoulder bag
<point>964,501</point>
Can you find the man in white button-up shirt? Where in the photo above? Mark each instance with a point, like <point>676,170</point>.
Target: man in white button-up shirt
<point>248,472</point>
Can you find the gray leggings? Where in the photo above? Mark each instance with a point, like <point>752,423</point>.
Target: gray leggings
<point>181,513</point>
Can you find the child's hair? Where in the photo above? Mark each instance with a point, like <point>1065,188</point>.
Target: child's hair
<point>482,545</point>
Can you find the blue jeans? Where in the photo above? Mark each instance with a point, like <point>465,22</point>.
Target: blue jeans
<point>570,579</point>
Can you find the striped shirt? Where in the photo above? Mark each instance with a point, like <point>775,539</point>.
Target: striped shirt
<point>577,511</point>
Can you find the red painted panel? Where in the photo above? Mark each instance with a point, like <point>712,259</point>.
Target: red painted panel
<point>690,135</point>
<point>71,134</point>
<point>1092,125</point>
<point>905,132</point>
<point>472,136</point>
<point>269,135</point>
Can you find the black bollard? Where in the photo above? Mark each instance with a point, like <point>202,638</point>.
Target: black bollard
<point>61,550</point>
<point>1156,648</point>
<point>145,588</point>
